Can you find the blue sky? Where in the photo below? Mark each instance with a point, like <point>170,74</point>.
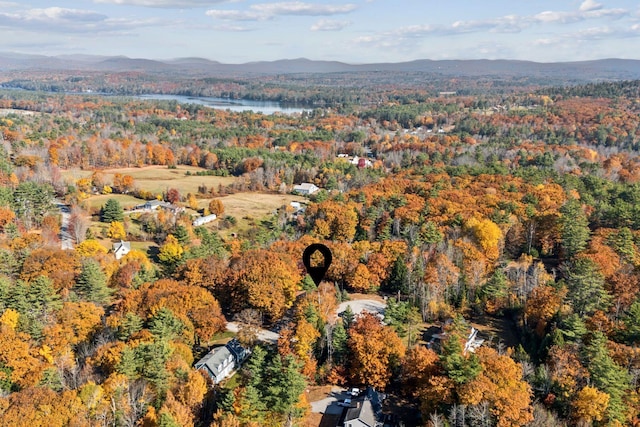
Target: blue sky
<point>359,31</point>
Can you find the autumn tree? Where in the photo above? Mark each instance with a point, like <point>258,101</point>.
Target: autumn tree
<point>376,351</point>
<point>267,281</point>
<point>216,207</point>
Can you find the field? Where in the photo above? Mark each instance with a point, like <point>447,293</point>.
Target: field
<point>246,207</point>
<point>158,179</point>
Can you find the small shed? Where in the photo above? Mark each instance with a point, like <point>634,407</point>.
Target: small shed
<point>306,188</point>
<point>121,248</point>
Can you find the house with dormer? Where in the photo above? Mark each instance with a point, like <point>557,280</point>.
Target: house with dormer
<point>221,362</point>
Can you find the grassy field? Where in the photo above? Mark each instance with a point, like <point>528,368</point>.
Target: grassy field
<point>251,207</point>
<point>247,208</point>
<point>158,179</point>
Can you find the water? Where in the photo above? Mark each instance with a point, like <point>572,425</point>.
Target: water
<point>236,105</point>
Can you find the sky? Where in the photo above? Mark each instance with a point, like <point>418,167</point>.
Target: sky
<point>355,32</point>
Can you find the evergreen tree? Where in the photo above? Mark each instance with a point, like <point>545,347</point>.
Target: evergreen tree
<point>339,343</point>
<point>586,286</point>
<point>164,325</point>
<point>574,228</point>
<point>348,317</point>
<point>399,278</point>
<point>285,384</point>
<point>91,284</point>
<point>607,376</point>
<point>111,212</point>
<point>181,233</point>
<point>131,324</point>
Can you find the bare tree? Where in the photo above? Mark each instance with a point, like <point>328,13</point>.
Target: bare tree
<point>78,224</point>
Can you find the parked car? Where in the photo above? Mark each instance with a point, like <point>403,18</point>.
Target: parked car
<point>346,403</point>
<point>354,391</point>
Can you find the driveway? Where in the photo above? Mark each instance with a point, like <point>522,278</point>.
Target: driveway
<point>263,334</point>
<point>329,405</point>
<point>373,306</point>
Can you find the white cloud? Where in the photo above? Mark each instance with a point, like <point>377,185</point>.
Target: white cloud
<point>266,11</point>
<point>61,20</point>
<point>236,15</point>
<point>178,4</point>
<point>329,25</point>
<point>305,9</point>
<point>588,5</point>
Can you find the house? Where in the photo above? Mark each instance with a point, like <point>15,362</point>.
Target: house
<point>471,344</point>
<point>204,220</point>
<point>121,248</point>
<point>220,362</point>
<point>152,205</point>
<point>306,189</point>
<point>367,412</point>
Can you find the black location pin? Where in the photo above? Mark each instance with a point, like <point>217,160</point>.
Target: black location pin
<point>317,272</point>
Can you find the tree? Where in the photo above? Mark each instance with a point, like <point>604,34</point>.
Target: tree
<point>78,224</point>
<point>574,228</point>
<point>586,286</point>
<point>285,383</point>
<point>31,201</point>
<point>171,253</point>
<point>173,195</point>
<point>376,351</point>
<point>589,405</point>
<point>111,211</point>
<point>607,376</point>
<point>216,207</point>
<point>91,284</point>
<point>116,231</point>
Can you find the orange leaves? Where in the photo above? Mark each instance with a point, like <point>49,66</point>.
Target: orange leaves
<point>268,281</point>
<point>376,350</point>
<point>543,303</point>
<point>501,384</point>
<point>590,405</point>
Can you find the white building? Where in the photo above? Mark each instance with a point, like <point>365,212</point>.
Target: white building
<point>204,220</point>
<point>121,248</point>
<point>306,189</point>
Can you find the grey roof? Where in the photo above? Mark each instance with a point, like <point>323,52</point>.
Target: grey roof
<point>363,412</point>
<point>121,244</point>
<point>212,360</point>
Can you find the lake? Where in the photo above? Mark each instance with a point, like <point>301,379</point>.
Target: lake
<point>237,105</point>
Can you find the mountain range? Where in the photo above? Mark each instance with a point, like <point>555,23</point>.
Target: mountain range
<point>604,69</point>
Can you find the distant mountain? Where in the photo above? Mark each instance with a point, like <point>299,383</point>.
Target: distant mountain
<point>605,69</point>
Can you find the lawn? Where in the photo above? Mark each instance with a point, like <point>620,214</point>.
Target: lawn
<point>252,207</point>
<point>157,179</point>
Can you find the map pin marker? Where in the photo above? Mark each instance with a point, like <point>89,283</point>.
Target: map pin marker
<point>317,272</point>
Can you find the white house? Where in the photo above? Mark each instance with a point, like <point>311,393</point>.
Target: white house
<point>203,220</point>
<point>220,362</point>
<point>121,248</point>
<point>305,189</point>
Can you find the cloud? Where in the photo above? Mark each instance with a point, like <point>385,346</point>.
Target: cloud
<point>236,15</point>
<point>304,9</point>
<point>329,25</point>
<point>62,20</point>
<point>172,4</point>
<point>267,11</point>
<point>588,5</point>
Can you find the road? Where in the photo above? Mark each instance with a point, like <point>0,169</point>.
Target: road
<point>66,241</point>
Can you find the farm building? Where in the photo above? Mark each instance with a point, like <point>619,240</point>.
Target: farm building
<point>204,220</point>
<point>305,189</point>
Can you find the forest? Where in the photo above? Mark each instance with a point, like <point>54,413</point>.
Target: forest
<point>512,211</point>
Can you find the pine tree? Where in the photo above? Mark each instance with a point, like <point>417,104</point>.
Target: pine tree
<point>91,284</point>
<point>574,228</point>
<point>164,325</point>
<point>111,212</point>
<point>586,286</point>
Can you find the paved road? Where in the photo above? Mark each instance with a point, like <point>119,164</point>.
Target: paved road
<point>263,335</point>
<point>66,240</point>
